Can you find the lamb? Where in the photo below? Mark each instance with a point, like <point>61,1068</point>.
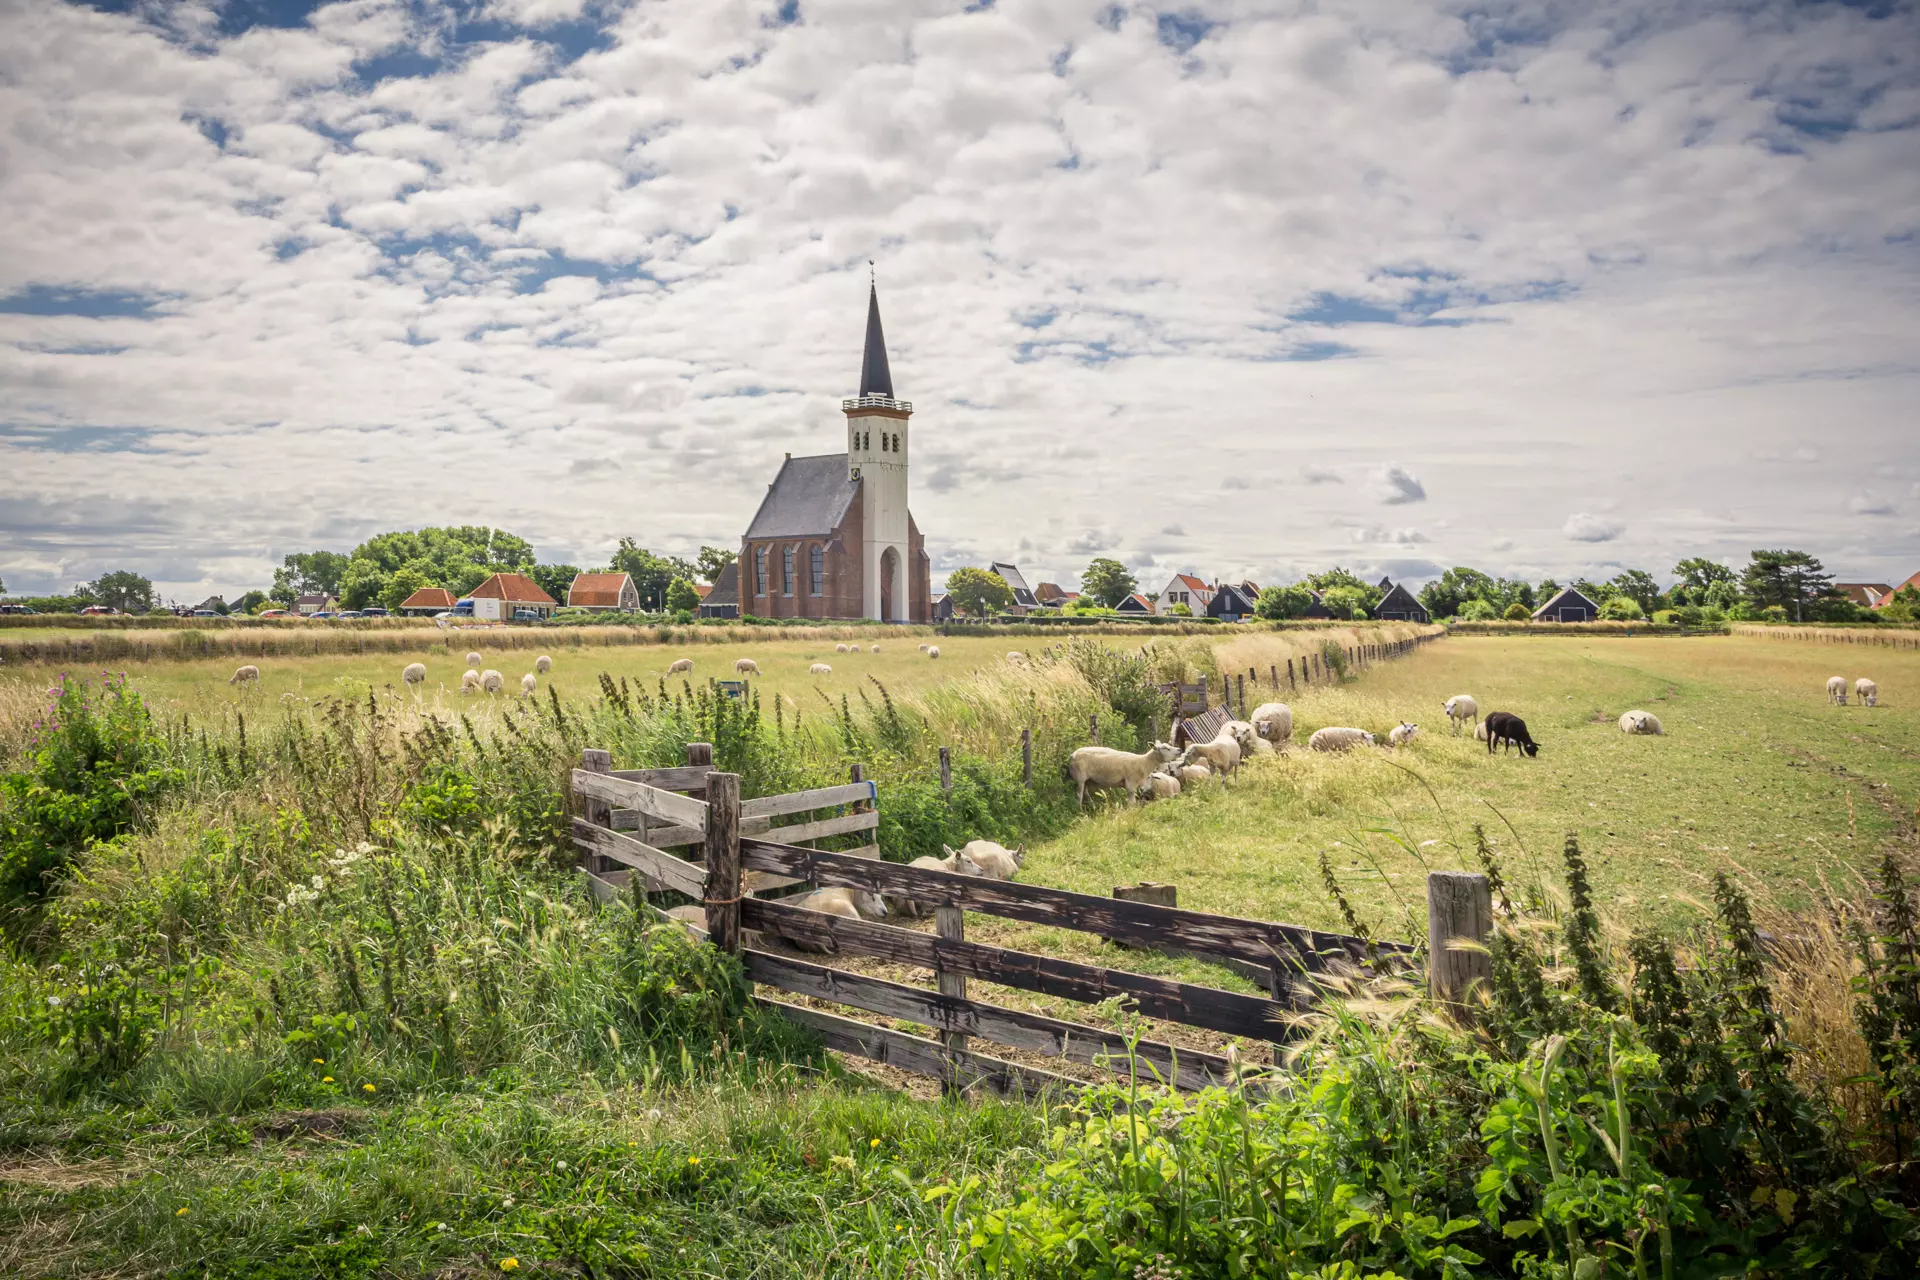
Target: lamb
<point>1160,786</point>
<point>745,666</point>
<point>528,683</point>
<point>1460,708</point>
<point>1193,774</point>
<point>543,664</point>
<point>414,673</point>
<point>1222,754</point>
<point>1869,692</point>
<point>1401,734</point>
<point>1337,738</point>
<point>678,665</point>
<point>492,681</point>
<point>1480,732</point>
<point>851,904</point>
<point>245,675</point>
<point>469,681</point>
<point>1273,721</point>
<point>1108,767</point>
<point>1508,730</point>
<point>933,651</point>
<point>1641,722</point>
<point>956,863</point>
<point>1837,690</point>
<point>991,859</point>
<point>473,660</point>
<point>820,669</point>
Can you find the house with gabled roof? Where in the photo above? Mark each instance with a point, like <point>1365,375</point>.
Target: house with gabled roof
<point>1867,595</point>
<point>604,593</point>
<point>1397,604</point>
<point>1187,590</point>
<point>1233,601</point>
<point>503,595</point>
<point>1024,601</point>
<point>723,600</point>
<point>1568,605</point>
<point>1135,604</point>
<point>426,602</point>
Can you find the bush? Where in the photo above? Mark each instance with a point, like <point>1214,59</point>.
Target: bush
<point>1276,603</point>
<point>1517,612</point>
<point>1774,613</point>
<point>1622,609</point>
<point>1477,611</point>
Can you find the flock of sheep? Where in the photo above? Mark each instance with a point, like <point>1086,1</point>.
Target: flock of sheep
<point>1866,690</point>
<point>472,680</point>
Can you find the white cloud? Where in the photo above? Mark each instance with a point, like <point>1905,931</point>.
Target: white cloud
<point>1394,485</point>
<point>1320,475</point>
<point>1582,526</point>
<point>1381,533</point>
<point>1503,544</point>
<point>1866,503</point>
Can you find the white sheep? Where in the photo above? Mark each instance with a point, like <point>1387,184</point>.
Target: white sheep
<point>745,667</point>
<point>1273,721</point>
<point>1461,708</point>
<point>528,683</point>
<point>469,681</point>
<point>991,859</point>
<point>1837,690</point>
<point>1480,732</point>
<point>1401,734</point>
<point>1222,754</point>
<point>1109,767</point>
<point>473,660</point>
<point>957,863</point>
<point>245,675</point>
<point>492,681</point>
<point>543,664</point>
<point>1335,738</point>
<point>851,904</point>
<point>1640,722</point>
<point>414,673</point>
<point>933,651</point>
<point>1869,692</point>
<point>820,669</point>
<point>1160,786</point>
<point>678,665</point>
<point>876,648</point>
<point>840,648</point>
<point>1193,774</point>
<point>923,646</point>
<point>1016,657</point>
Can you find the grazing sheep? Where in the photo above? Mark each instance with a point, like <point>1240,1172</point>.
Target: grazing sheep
<point>1641,722</point>
<point>840,648</point>
<point>245,675</point>
<point>1869,692</point>
<point>933,651</point>
<point>923,647</point>
<point>746,667</point>
<point>1193,774</point>
<point>1401,734</point>
<point>1016,657</point>
<point>1461,708</point>
<point>1337,738</point>
<point>1108,767</point>
<point>820,669</point>
<point>469,681</point>
<point>956,863</point>
<point>473,660</point>
<point>875,649</point>
<point>1837,690</point>
<point>994,860</point>
<point>543,664</point>
<point>414,673</point>
<point>1505,729</point>
<point>679,665</point>
<point>851,904</point>
<point>528,683</point>
<point>1273,721</point>
<point>1160,786</point>
<point>492,681</point>
<point>1222,754</point>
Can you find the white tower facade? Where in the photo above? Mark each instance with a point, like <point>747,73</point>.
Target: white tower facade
<point>879,444</point>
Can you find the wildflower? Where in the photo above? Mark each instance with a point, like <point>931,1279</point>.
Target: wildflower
<point>181,1212</point>
<point>363,1230</point>
<point>560,1164</point>
<point>367,1087</point>
<point>874,1143</point>
<point>326,1079</point>
<point>693,1159</point>
<point>509,1264</point>
<point>441,1226</point>
<point>653,1113</point>
<point>53,1002</point>
<point>319,1062</point>
<point>507,1203</point>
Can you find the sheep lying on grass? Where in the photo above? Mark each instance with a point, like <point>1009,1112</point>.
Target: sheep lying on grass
<point>473,660</point>
<point>746,667</point>
<point>1273,721</point>
<point>1339,738</point>
<point>245,675</point>
<point>528,683</point>
<point>957,863</point>
<point>1160,786</point>
<point>994,860</point>
<point>840,648</point>
<point>1222,754</point>
<point>678,665</point>
<point>413,673</point>
<point>492,681</point>
<point>819,669</point>
<point>1401,734</point>
<point>1641,722</point>
<point>1837,690</point>
<point>1461,708</point>
<point>1869,692</point>
<point>543,664</point>
<point>1193,774</point>
<point>1108,767</point>
<point>851,904</point>
<point>876,648</point>
<point>1480,732</point>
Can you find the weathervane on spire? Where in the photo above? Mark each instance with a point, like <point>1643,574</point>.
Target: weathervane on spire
<point>872,278</point>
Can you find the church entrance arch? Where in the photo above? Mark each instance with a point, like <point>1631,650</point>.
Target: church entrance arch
<point>889,574</point>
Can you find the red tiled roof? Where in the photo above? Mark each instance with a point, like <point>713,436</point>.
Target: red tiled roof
<point>1192,583</point>
<point>429,598</point>
<point>596,589</point>
<point>1913,582</point>
<point>702,590</point>
<point>515,587</point>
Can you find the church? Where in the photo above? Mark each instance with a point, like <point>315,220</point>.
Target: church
<point>833,537</point>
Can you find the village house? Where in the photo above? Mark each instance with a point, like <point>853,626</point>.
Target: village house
<point>1134,604</point>
<point>315,602</point>
<point>604,593</point>
<point>1024,600</point>
<point>504,594</point>
<point>1052,596</point>
<point>1233,601</point>
<point>723,598</point>
<point>834,537</point>
<point>1187,590</point>
<point>1567,605</point>
<point>426,602</point>
<point>1397,604</point>
<point>1867,595</point>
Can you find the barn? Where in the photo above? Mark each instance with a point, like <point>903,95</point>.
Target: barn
<point>1233,601</point>
<point>1397,604</point>
<point>1568,605</point>
<point>604,593</point>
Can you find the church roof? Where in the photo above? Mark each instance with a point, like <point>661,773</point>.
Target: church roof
<point>809,498</point>
<point>875,378</point>
<point>726,587</point>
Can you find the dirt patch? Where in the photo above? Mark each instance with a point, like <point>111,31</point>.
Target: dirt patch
<point>307,1124</point>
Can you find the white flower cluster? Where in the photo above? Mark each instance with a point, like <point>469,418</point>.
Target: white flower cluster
<point>344,860</point>
<point>343,864</point>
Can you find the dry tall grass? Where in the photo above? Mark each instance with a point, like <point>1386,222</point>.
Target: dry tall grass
<point>1878,636</point>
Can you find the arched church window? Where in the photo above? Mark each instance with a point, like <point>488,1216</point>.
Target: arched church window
<point>786,571</point>
<point>817,569</point>
<point>883,442</point>
<point>760,571</point>
<point>896,442</point>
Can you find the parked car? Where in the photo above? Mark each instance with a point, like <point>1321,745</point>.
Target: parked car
<point>322,615</point>
<point>376,612</point>
<point>205,613</point>
<point>350,613</point>
<point>275,613</point>
<point>526,615</point>
<point>98,610</point>
<point>16,608</point>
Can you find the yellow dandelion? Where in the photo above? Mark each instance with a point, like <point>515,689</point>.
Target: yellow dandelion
<point>319,1062</point>
<point>874,1143</point>
<point>693,1159</point>
<point>510,1264</point>
<point>326,1079</point>
<point>180,1212</point>
<point>367,1087</point>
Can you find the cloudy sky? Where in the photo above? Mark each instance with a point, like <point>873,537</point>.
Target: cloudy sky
<point>1233,286</point>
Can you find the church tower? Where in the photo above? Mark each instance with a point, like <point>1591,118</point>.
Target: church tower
<point>878,440</point>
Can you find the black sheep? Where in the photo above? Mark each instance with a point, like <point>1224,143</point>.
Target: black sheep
<point>1509,729</point>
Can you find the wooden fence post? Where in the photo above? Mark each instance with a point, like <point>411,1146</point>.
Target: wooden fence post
<point>1240,684</point>
<point>1273,674</point>
<point>1026,758</point>
<point>951,922</point>
<point>598,812</point>
<point>1459,907</point>
<point>722,896</point>
<point>857,774</point>
<point>946,772</point>
<point>1290,683</point>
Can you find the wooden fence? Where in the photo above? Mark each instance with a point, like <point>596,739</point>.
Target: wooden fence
<point>744,856</point>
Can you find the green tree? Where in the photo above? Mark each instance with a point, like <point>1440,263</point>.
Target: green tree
<point>1339,579</point>
<point>404,582</point>
<point>1639,585</point>
<point>309,571</point>
<point>1108,582</point>
<point>1477,611</point>
<point>712,561</point>
<point>554,579</point>
<point>1445,595</point>
<point>124,590</point>
<point>652,574</point>
<point>1548,590</point>
<point>251,602</point>
<point>979,592</point>
<point>1622,608</point>
<point>1349,602</point>
<point>681,597</point>
<point>1903,606</point>
<point>1699,574</point>
<point>1283,602</point>
<point>1598,592</point>
<point>1789,579</point>
<point>1085,606</point>
<point>1517,612</point>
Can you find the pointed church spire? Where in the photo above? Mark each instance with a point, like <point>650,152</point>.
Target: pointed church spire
<point>875,378</point>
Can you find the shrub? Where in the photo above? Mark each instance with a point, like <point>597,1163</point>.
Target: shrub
<point>1283,602</point>
<point>1477,611</point>
<point>1622,609</point>
<point>1517,612</point>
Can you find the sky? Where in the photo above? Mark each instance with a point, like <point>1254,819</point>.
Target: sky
<point>1233,287</point>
